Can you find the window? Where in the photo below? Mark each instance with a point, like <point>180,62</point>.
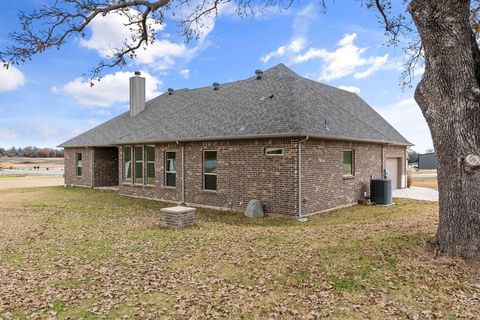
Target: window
<point>127,164</point>
<point>138,165</point>
<point>79,162</point>
<point>210,170</point>
<point>274,151</point>
<point>150,165</point>
<point>348,161</point>
<point>170,169</point>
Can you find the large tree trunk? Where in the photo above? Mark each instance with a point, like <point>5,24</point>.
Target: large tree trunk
<point>449,96</point>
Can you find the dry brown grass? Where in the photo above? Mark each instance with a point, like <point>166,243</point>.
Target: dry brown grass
<point>82,253</point>
<point>28,163</point>
<point>425,183</point>
<point>29,181</point>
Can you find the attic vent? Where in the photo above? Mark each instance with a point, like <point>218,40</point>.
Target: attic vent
<point>259,74</point>
<point>216,86</point>
<point>170,91</point>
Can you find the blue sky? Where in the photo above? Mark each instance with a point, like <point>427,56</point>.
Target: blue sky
<point>45,101</point>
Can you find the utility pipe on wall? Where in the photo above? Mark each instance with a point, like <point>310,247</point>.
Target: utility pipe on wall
<point>383,162</point>
<point>299,159</point>
<point>183,172</point>
<point>92,168</point>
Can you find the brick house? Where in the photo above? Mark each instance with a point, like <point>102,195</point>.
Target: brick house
<point>299,146</point>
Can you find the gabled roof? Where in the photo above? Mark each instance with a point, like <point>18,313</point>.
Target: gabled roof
<point>280,104</point>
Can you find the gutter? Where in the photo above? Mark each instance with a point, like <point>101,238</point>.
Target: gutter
<point>383,162</point>
<point>299,159</point>
<point>256,136</point>
<point>183,172</point>
<point>92,167</point>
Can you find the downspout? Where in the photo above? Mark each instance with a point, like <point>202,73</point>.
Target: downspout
<point>183,173</point>
<point>404,171</point>
<point>92,166</point>
<point>383,162</point>
<point>299,159</point>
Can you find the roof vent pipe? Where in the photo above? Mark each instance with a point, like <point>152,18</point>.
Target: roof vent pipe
<point>137,94</point>
<point>170,91</point>
<point>216,86</point>
<point>259,74</point>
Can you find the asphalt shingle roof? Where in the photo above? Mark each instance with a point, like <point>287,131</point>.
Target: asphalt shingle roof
<point>280,104</point>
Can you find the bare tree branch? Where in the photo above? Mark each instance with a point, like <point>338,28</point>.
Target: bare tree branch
<point>53,25</point>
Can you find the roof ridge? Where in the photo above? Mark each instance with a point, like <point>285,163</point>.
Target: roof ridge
<point>346,111</point>
<point>278,66</point>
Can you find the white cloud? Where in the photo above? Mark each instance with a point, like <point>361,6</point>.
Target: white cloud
<point>185,73</point>
<point>113,88</point>
<point>377,63</point>
<point>407,118</point>
<point>294,46</point>
<point>347,59</point>
<point>161,54</point>
<point>350,88</point>
<point>7,134</point>
<point>45,131</point>
<point>304,18</point>
<point>109,33</point>
<point>12,78</point>
<point>298,42</point>
<point>102,112</point>
<point>93,122</point>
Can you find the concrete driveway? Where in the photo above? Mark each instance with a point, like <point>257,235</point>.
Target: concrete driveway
<point>417,193</point>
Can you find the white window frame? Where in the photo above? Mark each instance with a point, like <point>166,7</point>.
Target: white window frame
<point>146,163</point>
<point>123,164</point>
<point>78,163</point>
<point>175,172</point>
<point>352,174</point>
<point>135,164</point>
<point>209,174</point>
<point>272,149</point>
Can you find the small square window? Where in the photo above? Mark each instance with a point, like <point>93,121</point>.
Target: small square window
<point>274,151</point>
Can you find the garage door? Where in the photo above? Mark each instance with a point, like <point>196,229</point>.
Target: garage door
<point>394,171</point>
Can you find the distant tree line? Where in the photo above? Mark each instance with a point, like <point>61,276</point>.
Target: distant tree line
<point>31,152</point>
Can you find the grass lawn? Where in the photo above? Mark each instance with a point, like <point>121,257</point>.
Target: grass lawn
<point>82,253</point>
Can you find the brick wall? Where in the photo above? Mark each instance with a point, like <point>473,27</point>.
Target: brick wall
<point>70,171</point>
<point>323,184</point>
<point>105,164</point>
<point>244,173</point>
<point>105,167</point>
